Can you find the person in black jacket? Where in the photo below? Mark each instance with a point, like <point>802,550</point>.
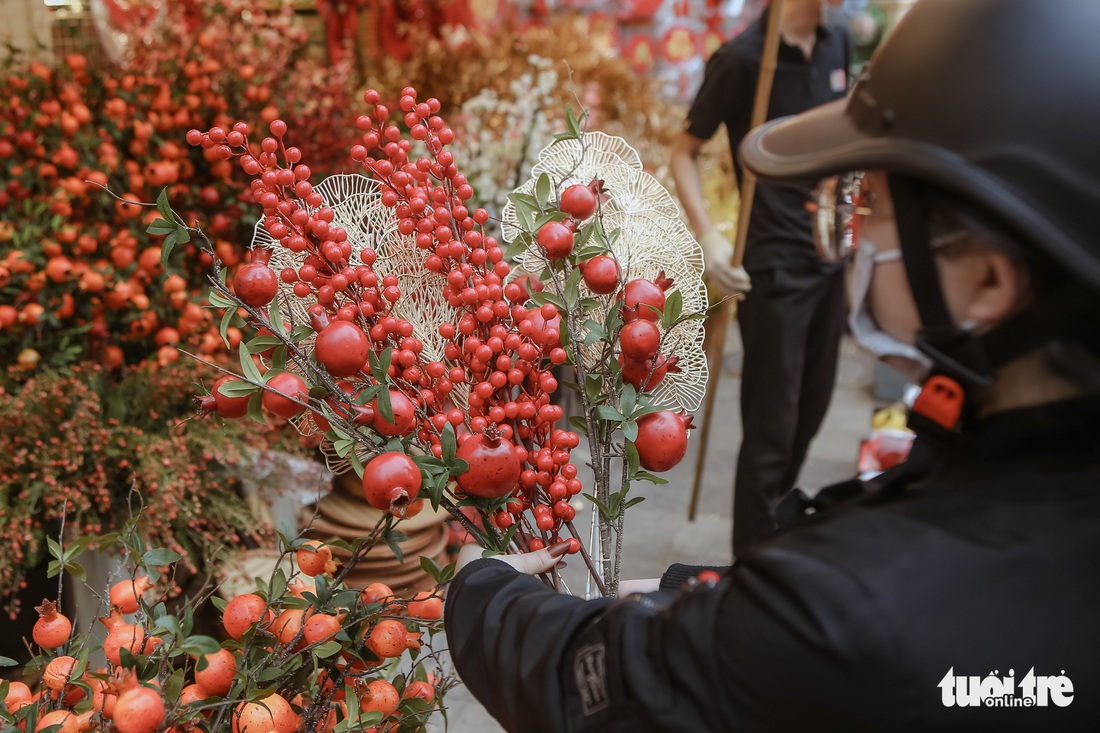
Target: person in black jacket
<point>959,591</point>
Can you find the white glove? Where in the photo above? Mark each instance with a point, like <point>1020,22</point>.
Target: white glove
<point>721,275</point>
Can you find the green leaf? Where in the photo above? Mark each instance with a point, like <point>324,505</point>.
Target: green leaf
<point>276,317</point>
<point>552,215</point>
<point>630,429</point>
<point>369,394</point>
<point>255,407</point>
<point>163,207</point>
<point>328,649</point>
<point>571,122</point>
<point>431,567</point>
<point>248,367</point>
<point>674,306</point>
<point>633,461</point>
<point>226,322</point>
<point>593,387</point>
<point>604,509</point>
<point>269,674</point>
<point>542,189</point>
<point>393,538</point>
<point>199,645</point>
<point>160,556</point>
<point>76,571</point>
<point>263,343</point>
<point>544,297</point>
<point>525,212</point>
<point>448,442</point>
<point>55,548</point>
<point>237,388</point>
<point>577,422</point>
<point>380,366</point>
<point>174,684</point>
<point>607,412</point>
<point>300,333</point>
<point>219,603</point>
<point>356,464</point>
<point>633,501</point>
<point>573,287</point>
<point>160,226</point>
<point>628,398</point>
<point>651,478</point>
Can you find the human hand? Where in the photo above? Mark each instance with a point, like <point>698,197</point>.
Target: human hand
<point>531,563</point>
<point>723,276</point>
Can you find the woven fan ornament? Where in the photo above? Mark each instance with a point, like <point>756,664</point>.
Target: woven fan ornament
<point>356,201</point>
<point>652,239</point>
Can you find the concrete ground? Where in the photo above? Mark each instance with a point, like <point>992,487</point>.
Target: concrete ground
<point>657,530</point>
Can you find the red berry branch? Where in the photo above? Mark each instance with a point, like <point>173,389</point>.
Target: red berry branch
<point>391,325</point>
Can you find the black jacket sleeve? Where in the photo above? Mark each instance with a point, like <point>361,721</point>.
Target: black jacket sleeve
<point>782,640</point>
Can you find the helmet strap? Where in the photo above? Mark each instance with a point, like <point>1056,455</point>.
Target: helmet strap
<point>954,351</point>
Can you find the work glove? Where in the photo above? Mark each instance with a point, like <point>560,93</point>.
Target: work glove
<point>721,275</point>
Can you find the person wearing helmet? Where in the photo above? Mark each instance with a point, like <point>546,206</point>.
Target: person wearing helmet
<point>957,592</point>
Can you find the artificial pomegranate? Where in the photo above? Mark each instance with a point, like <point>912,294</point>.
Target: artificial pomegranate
<point>420,689</point>
<point>139,710</point>
<point>130,637</point>
<point>556,239</point>
<point>391,482</point>
<point>255,283</point>
<point>243,611</point>
<point>221,404</point>
<point>494,467</point>
<point>286,385</point>
<point>378,696</point>
<point>662,439</point>
<point>640,340</point>
<point>601,274</point>
<point>57,672</point>
<point>215,673</point>
<point>638,373</point>
<point>288,624</point>
<point>125,593</point>
<point>316,561</point>
<point>321,627</point>
<point>426,605</point>
<point>271,714</point>
<point>342,348</point>
<point>404,415</point>
<point>641,296</point>
<point>68,721</point>
<point>388,639</point>
<point>52,629</point>
<point>580,201</point>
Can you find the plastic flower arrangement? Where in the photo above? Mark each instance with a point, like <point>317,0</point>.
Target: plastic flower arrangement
<point>394,327</point>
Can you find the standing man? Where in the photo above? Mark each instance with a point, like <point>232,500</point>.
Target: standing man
<point>792,319</point>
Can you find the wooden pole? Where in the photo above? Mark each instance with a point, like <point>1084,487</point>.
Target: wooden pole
<point>719,322</point>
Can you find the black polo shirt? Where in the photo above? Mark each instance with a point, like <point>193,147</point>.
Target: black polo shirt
<point>779,232</point>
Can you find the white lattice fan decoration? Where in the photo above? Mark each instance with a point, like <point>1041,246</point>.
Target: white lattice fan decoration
<point>652,239</point>
<point>357,203</point>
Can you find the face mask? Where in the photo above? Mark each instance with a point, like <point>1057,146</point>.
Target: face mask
<point>900,355</point>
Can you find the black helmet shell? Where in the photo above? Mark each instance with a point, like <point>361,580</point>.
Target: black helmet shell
<point>996,100</point>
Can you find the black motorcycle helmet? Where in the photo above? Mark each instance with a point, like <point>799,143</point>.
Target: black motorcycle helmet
<point>995,103</point>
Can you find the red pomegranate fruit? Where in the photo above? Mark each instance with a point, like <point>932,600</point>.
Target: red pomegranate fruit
<point>342,348</point>
<point>662,439</point>
<point>494,467</point>
<point>601,274</point>
<point>391,482</point>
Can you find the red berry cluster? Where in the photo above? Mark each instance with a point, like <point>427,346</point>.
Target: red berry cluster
<point>494,383</point>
